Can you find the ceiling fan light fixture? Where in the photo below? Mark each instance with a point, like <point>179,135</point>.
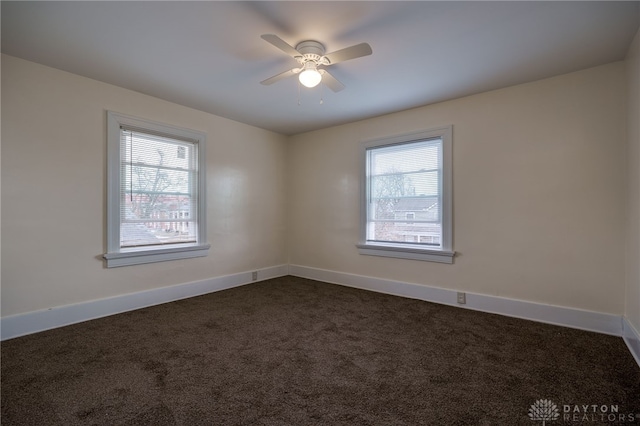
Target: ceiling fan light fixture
<point>310,76</point>
<point>310,54</point>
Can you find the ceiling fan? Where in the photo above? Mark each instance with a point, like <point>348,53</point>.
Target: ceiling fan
<point>312,59</point>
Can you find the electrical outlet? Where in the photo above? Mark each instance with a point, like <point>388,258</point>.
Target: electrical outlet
<point>254,275</point>
<point>462,298</point>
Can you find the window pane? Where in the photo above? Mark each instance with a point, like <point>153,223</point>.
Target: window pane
<point>406,232</point>
<point>398,185</point>
<point>405,182</point>
<point>420,209</point>
<point>158,190</point>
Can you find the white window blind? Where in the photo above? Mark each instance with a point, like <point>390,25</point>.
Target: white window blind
<point>158,189</point>
<point>405,182</point>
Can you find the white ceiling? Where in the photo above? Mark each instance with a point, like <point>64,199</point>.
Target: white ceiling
<point>209,55</point>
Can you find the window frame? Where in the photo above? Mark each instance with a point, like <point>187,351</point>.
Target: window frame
<point>445,254</point>
<point>117,256</point>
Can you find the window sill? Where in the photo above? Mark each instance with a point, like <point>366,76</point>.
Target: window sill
<point>139,256</point>
<point>411,252</point>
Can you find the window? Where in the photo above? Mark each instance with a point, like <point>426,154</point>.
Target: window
<point>156,192</point>
<point>406,199</point>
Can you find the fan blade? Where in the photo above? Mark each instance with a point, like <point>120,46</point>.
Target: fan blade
<point>357,51</point>
<point>281,44</point>
<point>280,76</point>
<point>331,82</point>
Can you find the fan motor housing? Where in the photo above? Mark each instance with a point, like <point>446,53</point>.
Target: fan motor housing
<point>311,49</point>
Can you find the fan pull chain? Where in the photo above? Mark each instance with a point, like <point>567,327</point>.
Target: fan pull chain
<point>321,93</point>
<point>298,93</point>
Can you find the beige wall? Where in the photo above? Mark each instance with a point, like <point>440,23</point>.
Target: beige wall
<point>632,306</point>
<point>53,191</point>
<point>539,192</point>
<point>539,198</point>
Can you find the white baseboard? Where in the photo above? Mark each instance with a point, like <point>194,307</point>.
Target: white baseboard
<point>631,337</point>
<point>550,314</point>
<point>33,322</point>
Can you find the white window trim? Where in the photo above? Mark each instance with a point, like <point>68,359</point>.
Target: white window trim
<point>116,256</point>
<point>412,251</point>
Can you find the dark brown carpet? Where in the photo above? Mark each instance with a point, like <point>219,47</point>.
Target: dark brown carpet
<point>291,351</point>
